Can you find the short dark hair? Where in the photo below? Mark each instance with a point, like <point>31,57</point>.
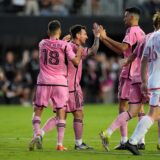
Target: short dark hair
<point>76,29</point>
<point>133,10</point>
<point>54,25</point>
<point>156,20</point>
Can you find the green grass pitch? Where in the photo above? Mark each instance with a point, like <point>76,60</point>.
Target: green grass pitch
<point>16,132</point>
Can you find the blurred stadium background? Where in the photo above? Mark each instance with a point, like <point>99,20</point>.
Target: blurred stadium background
<point>23,23</point>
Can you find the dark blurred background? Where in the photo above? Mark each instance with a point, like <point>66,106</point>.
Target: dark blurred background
<point>23,23</point>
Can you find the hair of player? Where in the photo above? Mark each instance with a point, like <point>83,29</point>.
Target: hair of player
<point>76,29</point>
<point>156,20</point>
<point>134,10</point>
<point>53,26</point>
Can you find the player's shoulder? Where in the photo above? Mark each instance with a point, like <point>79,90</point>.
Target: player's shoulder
<point>136,28</point>
<point>148,35</point>
<point>155,37</point>
<point>156,33</point>
<point>43,42</point>
<point>71,44</point>
<point>62,42</point>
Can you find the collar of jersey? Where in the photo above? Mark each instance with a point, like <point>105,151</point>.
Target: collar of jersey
<point>75,43</point>
<point>53,38</point>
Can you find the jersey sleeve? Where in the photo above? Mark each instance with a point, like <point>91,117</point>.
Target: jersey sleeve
<point>130,37</point>
<point>69,52</point>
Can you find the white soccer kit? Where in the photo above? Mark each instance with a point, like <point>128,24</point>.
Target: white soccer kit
<point>152,52</point>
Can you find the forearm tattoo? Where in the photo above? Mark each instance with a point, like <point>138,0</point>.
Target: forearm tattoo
<point>95,46</point>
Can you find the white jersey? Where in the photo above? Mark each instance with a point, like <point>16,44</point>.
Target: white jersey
<point>152,52</point>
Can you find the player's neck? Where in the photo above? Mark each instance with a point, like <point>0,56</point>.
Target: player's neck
<point>134,24</point>
<point>76,41</point>
<point>54,36</point>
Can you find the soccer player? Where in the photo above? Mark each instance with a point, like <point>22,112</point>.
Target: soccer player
<point>134,34</point>
<point>75,104</point>
<point>150,60</point>
<point>52,82</point>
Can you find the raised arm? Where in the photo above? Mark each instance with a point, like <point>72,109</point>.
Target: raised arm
<point>119,46</point>
<point>110,46</point>
<point>115,46</point>
<point>95,46</point>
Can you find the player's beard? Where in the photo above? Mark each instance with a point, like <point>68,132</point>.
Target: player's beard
<point>83,42</point>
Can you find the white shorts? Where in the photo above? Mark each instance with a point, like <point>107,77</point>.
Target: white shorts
<point>155,98</point>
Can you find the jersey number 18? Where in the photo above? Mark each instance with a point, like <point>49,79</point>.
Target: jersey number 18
<point>51,57</point>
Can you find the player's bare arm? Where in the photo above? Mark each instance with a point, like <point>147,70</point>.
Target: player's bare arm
<point>78,56</point>
<point>103,37</point>
<point>143,75</point>
<point>129,60</point>
<point>95,46</point>
<point>119,46</point>
<point>112,44</point>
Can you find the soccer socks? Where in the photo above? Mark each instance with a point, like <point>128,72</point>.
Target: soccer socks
<point>142,128</point>
<point>121,120</point>
<point>78,130</point>
<point>124,132</point>
<point>36,121</point>
<point>50,124</point>
<point>60,129</point>
<point>124,139</point>
<point>140,116</point>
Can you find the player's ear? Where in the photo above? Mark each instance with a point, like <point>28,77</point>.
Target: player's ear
<point>77,35</point>
<point>60,31</point>
<point>132,17</point>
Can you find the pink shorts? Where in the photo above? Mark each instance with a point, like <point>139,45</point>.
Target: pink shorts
<point>59,96</point>
<point>124,88</point>
<point>75,101</point>
<point>135,95</point>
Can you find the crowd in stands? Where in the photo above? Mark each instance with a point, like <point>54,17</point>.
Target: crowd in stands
<point>76,7</point>
<point>18,78</point>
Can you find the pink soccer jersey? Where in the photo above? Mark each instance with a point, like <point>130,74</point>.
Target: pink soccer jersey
<point>135,74</point>
<point>134,35</point>
<point>53,70</point>
<point>75,73</point>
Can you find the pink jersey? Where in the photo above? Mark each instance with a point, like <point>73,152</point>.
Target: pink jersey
<point>135,73</point>
<point>75,73</point>
<point>134,35</point>
<point>53,70</point>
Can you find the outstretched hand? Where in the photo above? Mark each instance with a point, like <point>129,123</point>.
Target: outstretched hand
<point>123,62</point>
<point>67,38</point>
<point>102,31</point>
<point>96,30</point>
<point>80,49</point>
<point>144,89</point>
